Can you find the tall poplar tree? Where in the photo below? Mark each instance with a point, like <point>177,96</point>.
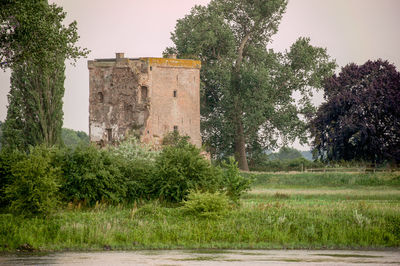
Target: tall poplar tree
<point>34,44</point>
<point>247,88</point>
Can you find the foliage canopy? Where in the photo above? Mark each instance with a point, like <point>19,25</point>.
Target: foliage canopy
<point>34,44</point>
<point>33,31</point>
<point>246,88</point>
<point>361,118</point>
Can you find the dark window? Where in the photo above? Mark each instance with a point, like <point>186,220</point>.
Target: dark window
<point>176,128</point>
<point>143,93</point>
<point>128,112</point>
<point>151,68</point>
<point>128,108</point>
<point>100,97</point>
<point>109,134</point>
<point>175,93</point>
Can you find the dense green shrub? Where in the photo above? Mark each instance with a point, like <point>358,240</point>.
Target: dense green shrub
<point>92,175</point>
<point>206,204</point>
<point>35,184</point>
<point>128,173</point>
<point>8,158</point>
<point>180,168</point>
<point>233,183</point>
<point>137,162</point>
<point>138,179</point>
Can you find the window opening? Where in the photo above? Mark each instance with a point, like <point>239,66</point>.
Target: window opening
<point>175,93</point>
<point>128,108</point>
<point>176,128</point>
<point>100,97</point>
<point>128,112</point>
<point>109,134</point>
<point>143,93</point>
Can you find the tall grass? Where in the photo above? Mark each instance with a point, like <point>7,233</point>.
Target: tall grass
<point>276,223</point>
<point>324,179</point>
<point>330,210</point>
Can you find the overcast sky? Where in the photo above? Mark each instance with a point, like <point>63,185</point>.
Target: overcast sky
<point>351,30</point>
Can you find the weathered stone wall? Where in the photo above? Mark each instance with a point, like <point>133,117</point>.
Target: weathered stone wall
<point>148,97</point>
<point>175,101</point>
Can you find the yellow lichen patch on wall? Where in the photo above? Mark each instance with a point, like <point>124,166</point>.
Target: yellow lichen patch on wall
<point>170,62</point>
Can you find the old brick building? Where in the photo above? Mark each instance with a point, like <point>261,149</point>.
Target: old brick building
<point>147,97</point>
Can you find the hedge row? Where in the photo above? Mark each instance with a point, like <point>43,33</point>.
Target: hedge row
<point>39,182</point>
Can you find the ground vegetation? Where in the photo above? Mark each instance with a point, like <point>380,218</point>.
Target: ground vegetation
<point>311,211</point>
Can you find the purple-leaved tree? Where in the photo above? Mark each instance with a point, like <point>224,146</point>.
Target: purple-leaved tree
<point>361,117</point>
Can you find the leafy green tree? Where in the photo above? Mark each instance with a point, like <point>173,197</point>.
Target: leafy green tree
<point>247,89</point>
<point>34,44</point>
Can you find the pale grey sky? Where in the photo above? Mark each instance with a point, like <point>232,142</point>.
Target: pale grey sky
<point>351,30</point>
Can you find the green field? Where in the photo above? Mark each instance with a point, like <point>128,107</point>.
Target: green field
<point>313,211</point>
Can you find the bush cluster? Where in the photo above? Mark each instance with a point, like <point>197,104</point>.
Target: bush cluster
<point>180,168</point>
<point>92,175</point>
<point>34,183</point>
<point>206,204</point>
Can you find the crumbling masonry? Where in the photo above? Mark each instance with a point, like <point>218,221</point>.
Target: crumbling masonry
<point>146,97</point>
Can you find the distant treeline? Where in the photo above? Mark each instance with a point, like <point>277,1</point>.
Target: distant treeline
<point>72,138</point>
<point>286,159</point>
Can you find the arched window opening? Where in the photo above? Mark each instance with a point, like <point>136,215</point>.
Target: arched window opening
<point>100,97</point>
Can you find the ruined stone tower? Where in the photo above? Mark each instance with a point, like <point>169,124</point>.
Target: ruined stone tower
<point>147,97</point>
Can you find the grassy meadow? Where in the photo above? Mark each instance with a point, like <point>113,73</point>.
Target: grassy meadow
<point>292,210</point>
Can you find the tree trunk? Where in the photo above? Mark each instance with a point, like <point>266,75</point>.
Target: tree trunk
<point>237,118</point>
<point>240,147</point>
<point>240,144</point>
